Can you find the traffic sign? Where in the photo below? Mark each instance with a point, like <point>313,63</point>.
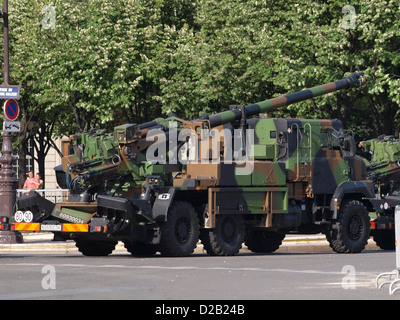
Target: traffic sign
<point>11,109</point>
<point>12,126</point>
<point>10,92</point>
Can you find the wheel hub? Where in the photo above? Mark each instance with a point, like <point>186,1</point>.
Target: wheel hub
<point>182,230</point>
<point>228,230</point>
<point>355,228</point>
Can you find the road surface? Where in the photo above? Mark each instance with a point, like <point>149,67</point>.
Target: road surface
<point>246,276</point>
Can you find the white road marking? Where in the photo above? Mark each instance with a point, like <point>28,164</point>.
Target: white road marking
<point>111,266</point>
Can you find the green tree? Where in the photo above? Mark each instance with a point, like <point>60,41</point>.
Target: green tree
<point>220,61</point>
<point>325,40</point>
<point>103,63</point>
<point>246,51</point>
<point>93,63</point>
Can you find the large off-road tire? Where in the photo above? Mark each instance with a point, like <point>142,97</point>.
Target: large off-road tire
<point>385,239</point>
<point>179,235</point>
<point>263,241</point>
<point>352,231</point>
<point>140,249</point>
<point>226,238</point>
<point>95,247</point>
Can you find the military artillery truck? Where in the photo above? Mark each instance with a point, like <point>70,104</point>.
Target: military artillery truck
<point>225,179</point>
<point>383,169</point>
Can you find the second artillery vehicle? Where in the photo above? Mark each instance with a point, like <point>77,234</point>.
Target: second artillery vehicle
<point>225,179</point>
<point>383,169</point>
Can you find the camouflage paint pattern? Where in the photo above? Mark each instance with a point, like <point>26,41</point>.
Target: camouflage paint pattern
<point>294,159</point>
<point>384,165</point>
<point>272,104</point>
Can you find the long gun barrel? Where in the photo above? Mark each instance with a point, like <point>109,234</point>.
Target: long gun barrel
<point>350,81</point>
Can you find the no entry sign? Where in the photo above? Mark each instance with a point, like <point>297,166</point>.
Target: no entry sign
<point>11,109</point>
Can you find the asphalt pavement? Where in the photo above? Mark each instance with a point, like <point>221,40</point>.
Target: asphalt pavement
<point>203,279</point>
<point>304,267</point>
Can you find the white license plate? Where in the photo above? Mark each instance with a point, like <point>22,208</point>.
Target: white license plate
<point>50,227</point>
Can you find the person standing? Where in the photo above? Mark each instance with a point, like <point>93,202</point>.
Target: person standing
<point>40,181</point>
<point>31,183</point>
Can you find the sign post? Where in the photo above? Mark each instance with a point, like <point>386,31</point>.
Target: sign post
<point>8,183</point>
<point>397,236</point>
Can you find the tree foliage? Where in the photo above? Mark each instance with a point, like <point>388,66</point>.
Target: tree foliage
<point>247,51</point>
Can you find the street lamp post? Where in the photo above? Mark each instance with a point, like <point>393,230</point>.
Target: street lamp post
<point>7,181</point>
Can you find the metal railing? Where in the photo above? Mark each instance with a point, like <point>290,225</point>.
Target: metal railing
<point>54,195</point>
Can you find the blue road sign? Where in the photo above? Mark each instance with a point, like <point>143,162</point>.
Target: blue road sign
<point>9,92</point>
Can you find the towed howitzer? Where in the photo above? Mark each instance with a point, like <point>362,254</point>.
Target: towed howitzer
<point>304,178</point>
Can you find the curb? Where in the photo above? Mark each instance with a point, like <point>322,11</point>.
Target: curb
<point>41,243</point>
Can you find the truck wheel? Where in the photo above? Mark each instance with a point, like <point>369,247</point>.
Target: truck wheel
<point>226,238</point>
<point>95,247</point>
<point>353,229</point>
<point>385,239</point>
<point>262,241</point>
<point>179,235</point>
<point>140,249</point>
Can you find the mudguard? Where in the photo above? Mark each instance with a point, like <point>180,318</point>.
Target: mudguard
<point>363,188</point>
<point>157,213</point>
<point>162,204</point>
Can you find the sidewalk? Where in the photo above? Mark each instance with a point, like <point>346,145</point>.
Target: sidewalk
<point>42,243</point>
